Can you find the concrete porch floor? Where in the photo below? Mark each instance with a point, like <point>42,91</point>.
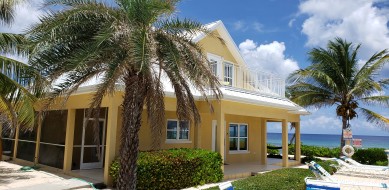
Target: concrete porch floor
<point>246,169</point>
<point>91,175</point>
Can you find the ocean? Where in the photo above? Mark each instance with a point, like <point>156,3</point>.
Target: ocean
<point>331,141</point>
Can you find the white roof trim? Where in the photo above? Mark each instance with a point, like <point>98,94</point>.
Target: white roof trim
<point>280,103</point>
<point>230,43</point>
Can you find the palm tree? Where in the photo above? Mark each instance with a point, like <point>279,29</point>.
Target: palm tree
<point>137,43</point>
<point>336,78</point>
<point>17,90</point>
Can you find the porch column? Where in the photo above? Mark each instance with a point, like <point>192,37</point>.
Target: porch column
<point>112,126</point>
<point>284,143</point>
<point>38,139</point>
<point>69,138</point>
<point>16,142</point>
<point>298,142</point>
<point>264,141</point>
<point>221,134</point>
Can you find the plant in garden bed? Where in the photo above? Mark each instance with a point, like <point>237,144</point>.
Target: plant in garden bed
<point>175,168</point>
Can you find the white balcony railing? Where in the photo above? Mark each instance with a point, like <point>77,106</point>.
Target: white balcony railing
<point>258,81</point>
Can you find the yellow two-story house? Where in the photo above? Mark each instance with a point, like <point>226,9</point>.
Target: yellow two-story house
<point>236,129</point>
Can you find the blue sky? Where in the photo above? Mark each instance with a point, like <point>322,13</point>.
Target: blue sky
<point>276,35</point>
<point>286,30</point>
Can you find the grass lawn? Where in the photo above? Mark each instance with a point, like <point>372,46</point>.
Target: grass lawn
<point>288,178</point>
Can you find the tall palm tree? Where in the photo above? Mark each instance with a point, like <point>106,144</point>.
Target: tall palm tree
<point>17,90</point>
<point>336,78</point>
<point>137,43</point>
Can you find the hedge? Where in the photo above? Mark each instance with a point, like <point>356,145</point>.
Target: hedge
<point>371,156</point>
<point>175,168</point>
<point>316,151</point>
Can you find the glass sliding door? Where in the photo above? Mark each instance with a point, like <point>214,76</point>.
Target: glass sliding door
<point>92,146</point>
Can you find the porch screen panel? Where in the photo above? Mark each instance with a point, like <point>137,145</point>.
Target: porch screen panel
<point>52,144</point>
<point>26,144</point>
<point>8,137</point>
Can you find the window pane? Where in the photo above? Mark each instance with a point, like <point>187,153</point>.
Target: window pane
<point>172,125</point>
<point>184,135</point>
<point>233,130</point>
<point>213,66</point>
<point>184,130</point>
<point>243,144</point>
<point>233,144</point>
<point>243,131</point>
<point>184,125</point>
<point>171,135</point>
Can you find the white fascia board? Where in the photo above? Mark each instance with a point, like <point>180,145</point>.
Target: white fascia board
<point>227,97</point>
<point>231,45</point>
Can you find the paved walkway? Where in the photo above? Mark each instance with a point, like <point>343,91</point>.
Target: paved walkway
<point>11,177</point>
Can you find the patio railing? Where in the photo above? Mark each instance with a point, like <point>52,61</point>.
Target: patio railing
<point>257,81</point>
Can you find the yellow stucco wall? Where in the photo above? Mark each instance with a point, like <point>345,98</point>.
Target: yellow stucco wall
<point>254,139</point>
<point>215,46</point>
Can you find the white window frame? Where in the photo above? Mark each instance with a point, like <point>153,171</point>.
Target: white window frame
<point>239,137</point>
<point>226,74</point>
<point>214,66</point>
<point>177,140</point>
<point>219,64</point>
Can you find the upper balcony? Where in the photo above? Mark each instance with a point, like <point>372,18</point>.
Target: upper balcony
<point>251,80</point>
<point>240,77</point>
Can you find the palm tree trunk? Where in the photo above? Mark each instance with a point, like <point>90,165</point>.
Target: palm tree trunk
<point>132,112</point>
<point>1,148</point>
<point>344,126</point>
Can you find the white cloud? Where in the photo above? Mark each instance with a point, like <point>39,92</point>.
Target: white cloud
<point>268,57</point>
<point>290,23</point>
<point>357,21</point>
<point>240,25</point>
<point>26,15</point>
<point>258,27</point>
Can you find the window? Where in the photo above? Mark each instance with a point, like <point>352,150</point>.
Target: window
<point>238,137</point>
<point>228,70</point>
<point>177,130</point>
<point>213,66</point>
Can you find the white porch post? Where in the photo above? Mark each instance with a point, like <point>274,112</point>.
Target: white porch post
<point>220,146</point>
<point>264,141</point>
<point>298,142</point>
<point>112,126</point>
<point>284,143</point>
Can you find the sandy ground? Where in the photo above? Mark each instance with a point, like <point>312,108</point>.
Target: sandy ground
<point>11,177</point>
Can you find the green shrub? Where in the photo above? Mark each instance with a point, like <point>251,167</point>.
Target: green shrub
<point>370,156</point>
<point>381,163</point>
<point>175,168</point>
<point>271,150</point>
<point>316,151</point>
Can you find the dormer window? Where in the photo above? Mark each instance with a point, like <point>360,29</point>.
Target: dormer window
<point>216,65</point>
<point>213,66</point>
<point>228,73</point>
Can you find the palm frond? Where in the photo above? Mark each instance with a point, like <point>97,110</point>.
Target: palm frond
<point>375,118</point>
<point>7,10</point>
<point>376,100</point>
